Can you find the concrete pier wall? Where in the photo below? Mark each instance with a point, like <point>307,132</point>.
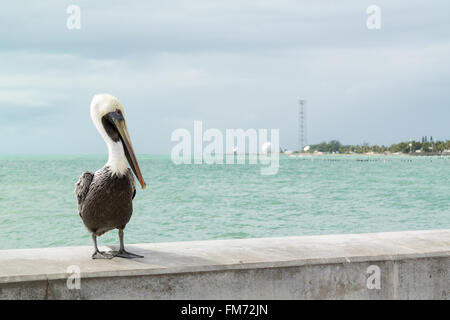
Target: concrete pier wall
<point>393,265</point>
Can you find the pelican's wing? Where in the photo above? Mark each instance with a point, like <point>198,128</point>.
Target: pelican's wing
<point>133,183</point>
<point>82,187</point>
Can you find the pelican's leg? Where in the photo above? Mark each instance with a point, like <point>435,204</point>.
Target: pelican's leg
<point>122,253</point>
<point>100,254</point>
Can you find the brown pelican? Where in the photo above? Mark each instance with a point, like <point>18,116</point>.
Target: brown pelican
<point>105,197</point>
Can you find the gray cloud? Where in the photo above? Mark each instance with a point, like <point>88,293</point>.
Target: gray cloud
<point>229,63</point>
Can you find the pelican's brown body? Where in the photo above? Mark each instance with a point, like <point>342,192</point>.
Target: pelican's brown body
<point>105,200</point>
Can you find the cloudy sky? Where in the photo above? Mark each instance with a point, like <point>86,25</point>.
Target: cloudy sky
<point>231,64</point>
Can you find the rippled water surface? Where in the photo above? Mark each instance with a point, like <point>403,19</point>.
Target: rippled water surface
<point>320,195</point>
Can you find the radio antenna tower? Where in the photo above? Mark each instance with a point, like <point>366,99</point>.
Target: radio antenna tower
<point>302,142</point>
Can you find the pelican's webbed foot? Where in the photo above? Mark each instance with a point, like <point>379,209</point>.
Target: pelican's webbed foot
<point>126,254</point>
<point>122,253</point>
<point>102,255</point>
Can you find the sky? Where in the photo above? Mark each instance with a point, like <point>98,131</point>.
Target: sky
<point>232,64</point>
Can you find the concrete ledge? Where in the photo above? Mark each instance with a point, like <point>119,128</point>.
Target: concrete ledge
<point>412,265</point>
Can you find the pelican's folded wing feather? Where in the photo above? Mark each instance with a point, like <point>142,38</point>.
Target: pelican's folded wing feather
<point>82,187</point>
<point>133,183</point>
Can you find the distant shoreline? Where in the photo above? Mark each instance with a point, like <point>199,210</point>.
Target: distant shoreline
<point>422,154</point>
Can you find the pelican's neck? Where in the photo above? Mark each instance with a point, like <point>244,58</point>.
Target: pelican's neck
<point>117,161</point>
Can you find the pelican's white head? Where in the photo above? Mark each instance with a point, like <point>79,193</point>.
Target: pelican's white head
<point>108,116</point>
<point>101,105</point>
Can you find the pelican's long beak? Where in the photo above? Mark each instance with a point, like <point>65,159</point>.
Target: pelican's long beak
<point>119,122</point>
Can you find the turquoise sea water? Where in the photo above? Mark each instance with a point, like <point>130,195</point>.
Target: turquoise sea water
<point>310,195</point>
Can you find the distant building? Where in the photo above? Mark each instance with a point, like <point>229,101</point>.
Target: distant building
<point>266,148</point>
